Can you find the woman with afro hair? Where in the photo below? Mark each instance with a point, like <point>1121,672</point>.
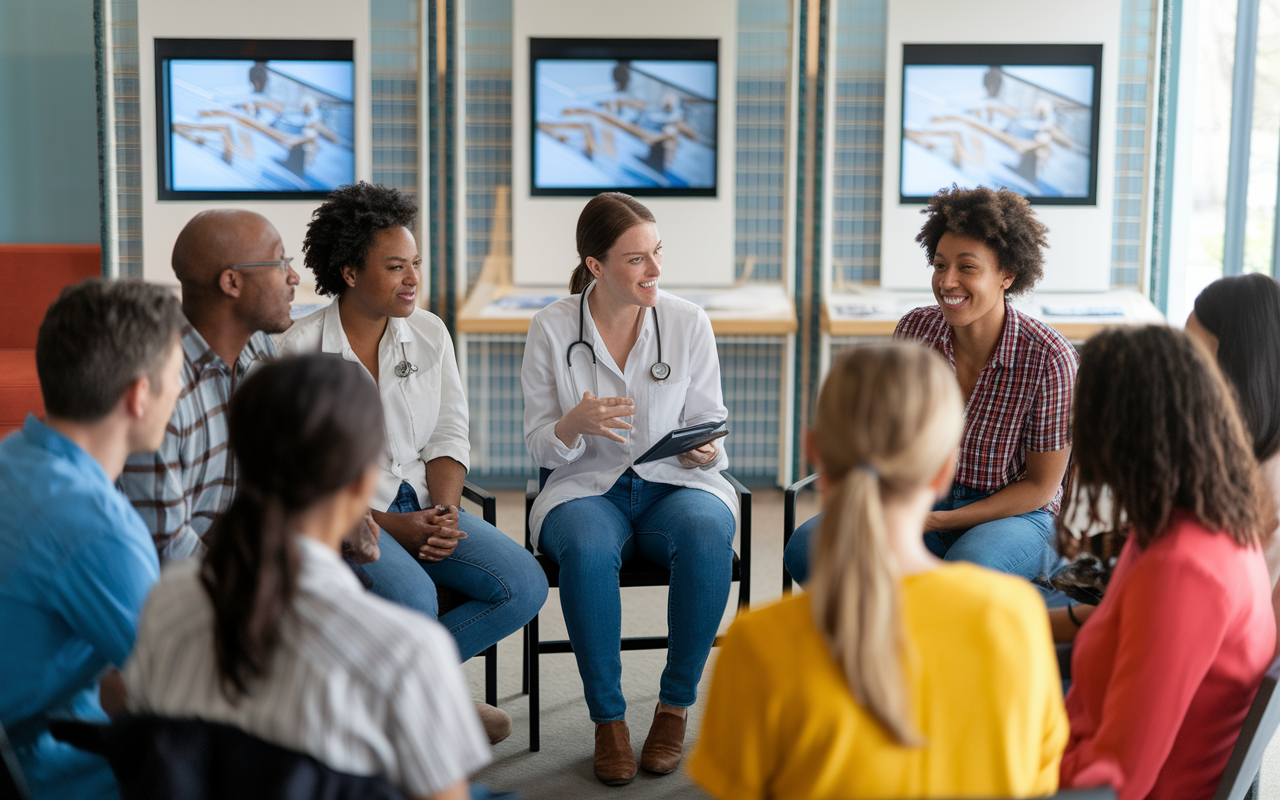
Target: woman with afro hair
<point>361,248</point>
<point>1016,376</point>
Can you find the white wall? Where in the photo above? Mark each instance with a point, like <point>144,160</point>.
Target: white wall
<point>697,232</point>
<point>1079,254</point>
<point>241,19</point>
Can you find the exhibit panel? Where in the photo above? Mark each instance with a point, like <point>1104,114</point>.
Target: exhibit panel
<point>1032,114</point>
<point>614,95</point>
<point>262,106</point>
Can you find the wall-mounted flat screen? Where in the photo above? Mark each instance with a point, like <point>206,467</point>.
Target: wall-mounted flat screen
<point>631,115</point>
<point>1023,117</point>
<point>241,119</point>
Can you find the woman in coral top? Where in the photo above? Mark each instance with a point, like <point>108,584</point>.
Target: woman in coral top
<point>897,674</point>
<point>1166,668</point>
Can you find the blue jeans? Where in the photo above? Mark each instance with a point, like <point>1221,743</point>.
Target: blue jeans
<point>506,586</point>
<point>688,531</point>
<point>1021,545</point>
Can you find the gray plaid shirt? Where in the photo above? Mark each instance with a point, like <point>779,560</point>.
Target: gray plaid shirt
<point>179,489</point>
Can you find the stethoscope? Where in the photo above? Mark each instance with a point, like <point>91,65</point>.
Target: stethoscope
<point>660,369</point>
<point>404,369</point>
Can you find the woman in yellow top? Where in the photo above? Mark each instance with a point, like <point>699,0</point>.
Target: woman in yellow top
<point>897,674</point>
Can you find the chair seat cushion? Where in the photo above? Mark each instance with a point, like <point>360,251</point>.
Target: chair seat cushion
<point>636,571</point>
<point>19,389</point>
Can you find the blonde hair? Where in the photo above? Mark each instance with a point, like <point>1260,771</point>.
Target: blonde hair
<point>888,418</point>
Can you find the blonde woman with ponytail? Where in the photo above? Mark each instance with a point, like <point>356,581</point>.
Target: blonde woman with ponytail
<point>897,674</point>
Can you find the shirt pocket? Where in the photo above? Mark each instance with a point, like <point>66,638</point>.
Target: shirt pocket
<point>666,406</point>
<point>421,392</point>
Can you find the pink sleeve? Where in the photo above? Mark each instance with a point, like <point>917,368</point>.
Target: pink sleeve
<point>1174,617</point>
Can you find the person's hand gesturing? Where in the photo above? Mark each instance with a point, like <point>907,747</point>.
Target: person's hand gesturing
<point>595,416</point>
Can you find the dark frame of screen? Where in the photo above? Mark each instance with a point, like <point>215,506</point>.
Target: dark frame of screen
<point>619,49</point>
<point>1010,55</point>
<point>233,49</point>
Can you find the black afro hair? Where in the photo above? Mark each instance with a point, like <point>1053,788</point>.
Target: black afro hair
<point>342,230</point>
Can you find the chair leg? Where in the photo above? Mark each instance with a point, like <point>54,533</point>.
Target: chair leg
<point>491,675</point>
<point>534,699</point>
<point>524,675</point>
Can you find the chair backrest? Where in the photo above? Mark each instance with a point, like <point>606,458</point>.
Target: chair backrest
<point>1259,726</point>
<point>12,783</point>
<point>197,760</point>
<point>33,275</point>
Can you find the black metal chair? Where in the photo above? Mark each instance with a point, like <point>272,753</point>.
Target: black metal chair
<point>635,572</point>
<point>1240,778</point>
<point>448,599</point>
<point>13,785</point>
<point>789,522</point>
<point>194,759</point>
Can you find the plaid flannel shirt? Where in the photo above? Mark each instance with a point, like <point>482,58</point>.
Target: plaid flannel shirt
<point>1021,402</point>
<point>179,489</point>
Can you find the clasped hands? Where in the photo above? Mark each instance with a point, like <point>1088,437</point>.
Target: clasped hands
<point>602,416</point>
<point>430,535</point>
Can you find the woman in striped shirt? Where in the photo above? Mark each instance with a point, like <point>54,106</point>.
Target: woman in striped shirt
<point>274,634</point>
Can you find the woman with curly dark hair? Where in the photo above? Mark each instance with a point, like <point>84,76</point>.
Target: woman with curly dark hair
<point>1166,668</point>
<point>1015,375</point>
<point>362,251</point>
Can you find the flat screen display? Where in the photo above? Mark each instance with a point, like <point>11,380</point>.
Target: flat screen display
<point>1023,117</point>
<point>242,119</point>
<point>632,115</point>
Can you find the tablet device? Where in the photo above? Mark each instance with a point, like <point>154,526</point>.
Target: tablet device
<point>682,440</point>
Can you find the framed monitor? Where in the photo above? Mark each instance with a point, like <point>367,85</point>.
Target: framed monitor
<point>254,119</point>
<point>631,115</point>
<point>1021,116</point>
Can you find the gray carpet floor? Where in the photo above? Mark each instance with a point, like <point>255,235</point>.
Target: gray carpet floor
<point>562,769</point>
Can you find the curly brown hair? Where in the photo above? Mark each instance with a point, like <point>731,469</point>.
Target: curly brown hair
<point>1003,221</point>
<point>1154,421</point>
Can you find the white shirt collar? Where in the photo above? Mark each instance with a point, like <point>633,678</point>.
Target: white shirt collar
<point>333,339</point>
<point>323,570</point>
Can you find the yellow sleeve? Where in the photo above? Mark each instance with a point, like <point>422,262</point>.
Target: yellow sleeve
<point>1056,728</point>
<point>737,748</point>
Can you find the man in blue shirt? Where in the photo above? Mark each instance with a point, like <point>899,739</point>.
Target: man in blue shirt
<point>76,561</point>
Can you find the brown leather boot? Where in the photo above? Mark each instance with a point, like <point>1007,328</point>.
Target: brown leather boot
<point>665,743</point>
<point>615,762</point>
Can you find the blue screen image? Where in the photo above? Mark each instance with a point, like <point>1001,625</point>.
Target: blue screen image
<point>271,126</point>
<point>624,124</point>
<point>1027,128</point>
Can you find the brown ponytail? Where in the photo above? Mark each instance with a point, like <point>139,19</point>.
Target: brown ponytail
<point>887,419</point>
<point>301,428</point>
<point>605,218</point>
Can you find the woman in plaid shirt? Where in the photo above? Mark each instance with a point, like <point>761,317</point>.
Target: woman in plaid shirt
<point>1016,375</point>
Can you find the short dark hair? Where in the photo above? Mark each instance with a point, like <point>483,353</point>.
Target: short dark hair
<point>341,230</point>
<point>98,337</point>
<point>1002,220</point>
<point>1154,422</point>
<point>1243,311</point>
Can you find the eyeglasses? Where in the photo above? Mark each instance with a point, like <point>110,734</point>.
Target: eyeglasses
<point>282,264</point>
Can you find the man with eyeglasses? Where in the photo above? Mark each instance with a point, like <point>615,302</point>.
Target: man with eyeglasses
<point>237,285</point>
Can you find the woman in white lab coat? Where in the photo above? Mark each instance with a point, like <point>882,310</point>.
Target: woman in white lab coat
<point>607,372</point>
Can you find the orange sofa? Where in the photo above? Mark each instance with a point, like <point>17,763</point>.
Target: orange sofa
<point>31,276</point>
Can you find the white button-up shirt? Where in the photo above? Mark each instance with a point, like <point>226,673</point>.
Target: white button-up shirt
<point>363,685</point>
<point>691,395</point>
<point>426,411</point>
